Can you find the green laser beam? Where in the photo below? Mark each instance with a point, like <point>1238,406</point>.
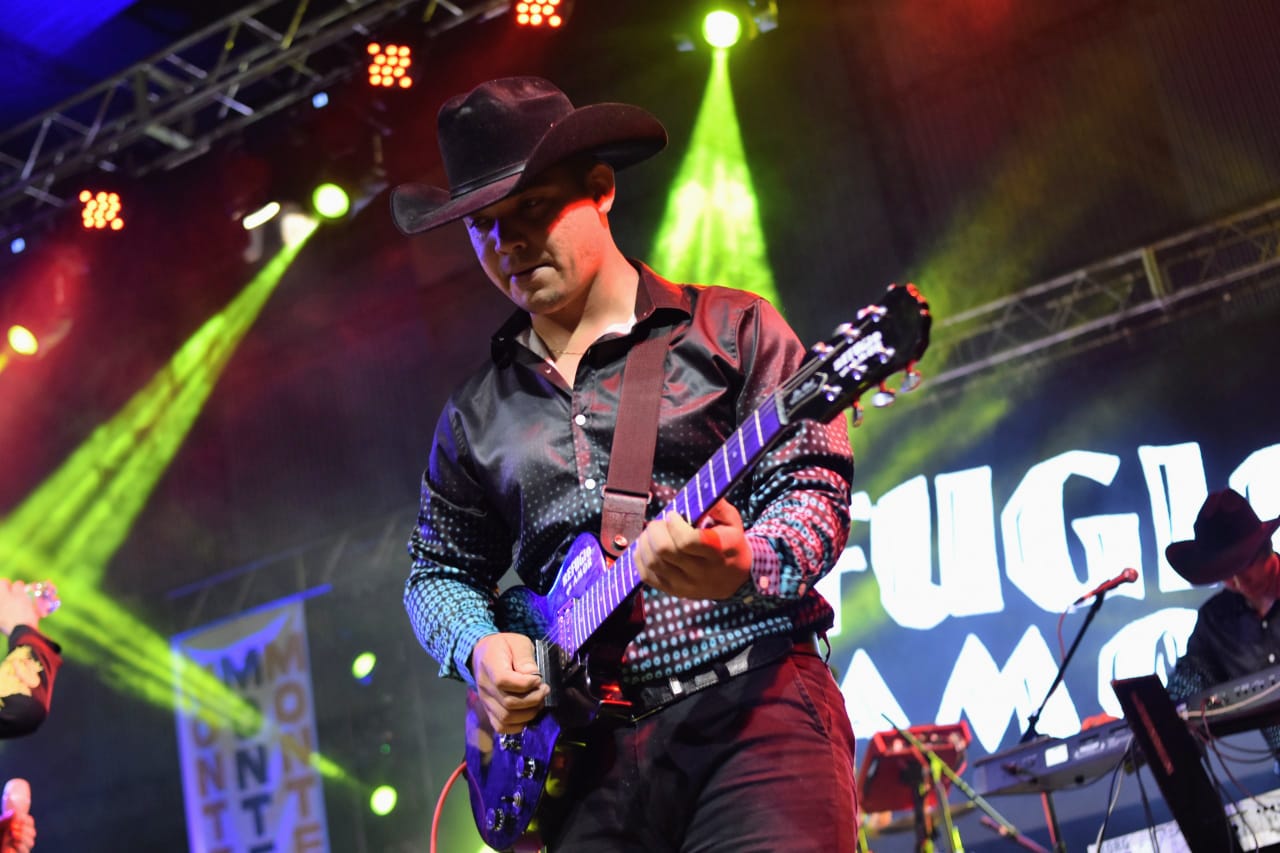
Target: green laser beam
<point>69,527</point>
<point>711,231</point>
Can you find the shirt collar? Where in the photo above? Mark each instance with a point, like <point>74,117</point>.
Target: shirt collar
<point>655,297</point>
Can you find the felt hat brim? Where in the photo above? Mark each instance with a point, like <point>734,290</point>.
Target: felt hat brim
<point>618,134</point>
<point>1201,564</point>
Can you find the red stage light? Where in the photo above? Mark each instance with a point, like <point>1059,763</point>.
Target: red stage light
<point>101,210</point>
<point>390,66</point>
<point>541,13</point>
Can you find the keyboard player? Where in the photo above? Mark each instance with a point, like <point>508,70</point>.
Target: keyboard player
<point>1237,630</point>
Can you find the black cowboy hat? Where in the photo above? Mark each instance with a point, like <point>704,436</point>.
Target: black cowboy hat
<point>504,132</point>
<point>1228,533</point>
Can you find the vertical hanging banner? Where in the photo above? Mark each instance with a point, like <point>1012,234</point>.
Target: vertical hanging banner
<point>248,780</point>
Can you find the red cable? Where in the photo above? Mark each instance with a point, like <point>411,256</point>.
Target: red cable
<point>435,820</point>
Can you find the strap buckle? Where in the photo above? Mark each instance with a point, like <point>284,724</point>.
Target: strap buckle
<point>622,520</point>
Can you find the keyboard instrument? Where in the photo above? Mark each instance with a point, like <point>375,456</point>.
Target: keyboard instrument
<point>1243,704</point>
<point>1256,821</point>
<point>1053,764</point>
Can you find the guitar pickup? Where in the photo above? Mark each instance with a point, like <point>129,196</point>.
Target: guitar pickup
<point>547,657</point>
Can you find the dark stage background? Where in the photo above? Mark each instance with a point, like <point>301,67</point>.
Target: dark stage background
<point>976,148</point>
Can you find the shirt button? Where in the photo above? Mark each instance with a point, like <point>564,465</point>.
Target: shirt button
<point>589,483</point>
<point>1271,658</point>
<point>579,419</point>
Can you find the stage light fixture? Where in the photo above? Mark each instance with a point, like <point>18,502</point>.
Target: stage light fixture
<point>383,800</point>
<point>363,665</point>
<point>330,201</point>
<point>725,23</point>
<point>542,14</point>
<point>721,28</point>
<point>389,65</point>
<point>22,340</point>
<point>17,245</point>
<point>39,306</point>
<point>320,100</point>
<point>261,216</point>
<point>101,210</point>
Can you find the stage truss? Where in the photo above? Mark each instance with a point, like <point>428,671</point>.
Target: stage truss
<point>173,107</point>
<point>1233,258</point>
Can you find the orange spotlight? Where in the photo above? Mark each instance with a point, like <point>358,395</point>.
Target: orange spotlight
<point>101,210</point>
<point>40,308</point>
<point>542,14</point>
<point>389,65</point>
<point>22,340</point>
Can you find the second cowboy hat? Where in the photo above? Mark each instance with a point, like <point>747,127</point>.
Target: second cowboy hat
<point>502,133</point>
<point>1228,533</point>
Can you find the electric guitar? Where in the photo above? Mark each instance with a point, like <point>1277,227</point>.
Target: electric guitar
<point>515,779</point>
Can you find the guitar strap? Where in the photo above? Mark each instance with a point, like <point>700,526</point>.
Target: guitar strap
<point>626,493</point>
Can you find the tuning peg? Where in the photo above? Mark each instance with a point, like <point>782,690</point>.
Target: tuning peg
<point>883,397</point>
<point>910,380</point>
<point>857,413</point>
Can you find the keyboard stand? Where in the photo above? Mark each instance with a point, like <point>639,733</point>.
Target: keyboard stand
<point>1173,757</point>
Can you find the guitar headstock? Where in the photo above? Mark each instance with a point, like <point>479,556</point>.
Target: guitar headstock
<point>886,338</point>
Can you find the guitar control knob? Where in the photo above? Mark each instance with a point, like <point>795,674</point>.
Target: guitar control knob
<point>529,768</point>
<point>516,800</point>
<point>495,819</point>
<point>511,743</point>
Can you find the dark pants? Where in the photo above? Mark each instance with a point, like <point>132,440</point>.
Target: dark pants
<point>760,763</point>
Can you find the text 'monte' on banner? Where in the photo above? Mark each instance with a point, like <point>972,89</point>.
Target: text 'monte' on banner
<point>246,734</point>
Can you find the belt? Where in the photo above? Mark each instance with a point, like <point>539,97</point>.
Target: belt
<point>653,695</point>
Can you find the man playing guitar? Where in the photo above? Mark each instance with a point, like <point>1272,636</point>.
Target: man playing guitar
<point>730,732</point>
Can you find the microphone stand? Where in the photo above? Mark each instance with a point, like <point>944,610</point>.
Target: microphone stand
<point>991,818</point>
<point>1031,733</point>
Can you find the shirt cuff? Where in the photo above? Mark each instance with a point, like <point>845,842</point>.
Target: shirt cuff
<point>465,645</point>
<point>766,569</point>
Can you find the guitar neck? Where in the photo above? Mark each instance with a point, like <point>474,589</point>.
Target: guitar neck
<point>712,482</point>
<point>886,338</point>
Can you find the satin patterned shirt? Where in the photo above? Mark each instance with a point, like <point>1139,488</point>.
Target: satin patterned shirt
<point>519,459</point>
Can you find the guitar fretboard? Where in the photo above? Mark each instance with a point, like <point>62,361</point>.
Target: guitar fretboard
<point>712,482</point>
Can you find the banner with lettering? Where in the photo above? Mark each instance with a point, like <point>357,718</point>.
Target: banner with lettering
<point>246,731</point>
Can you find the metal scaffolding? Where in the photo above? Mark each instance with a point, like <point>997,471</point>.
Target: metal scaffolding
<point>174,106</point>
<point>1115,297</point>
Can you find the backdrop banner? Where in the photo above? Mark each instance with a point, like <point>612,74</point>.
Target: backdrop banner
<point>247,734</point>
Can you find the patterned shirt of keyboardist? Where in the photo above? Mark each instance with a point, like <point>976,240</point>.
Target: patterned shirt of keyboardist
<point>519,459</point>
<point>1230,641</point>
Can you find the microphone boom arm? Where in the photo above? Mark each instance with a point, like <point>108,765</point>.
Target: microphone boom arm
<point>1031,732</point>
